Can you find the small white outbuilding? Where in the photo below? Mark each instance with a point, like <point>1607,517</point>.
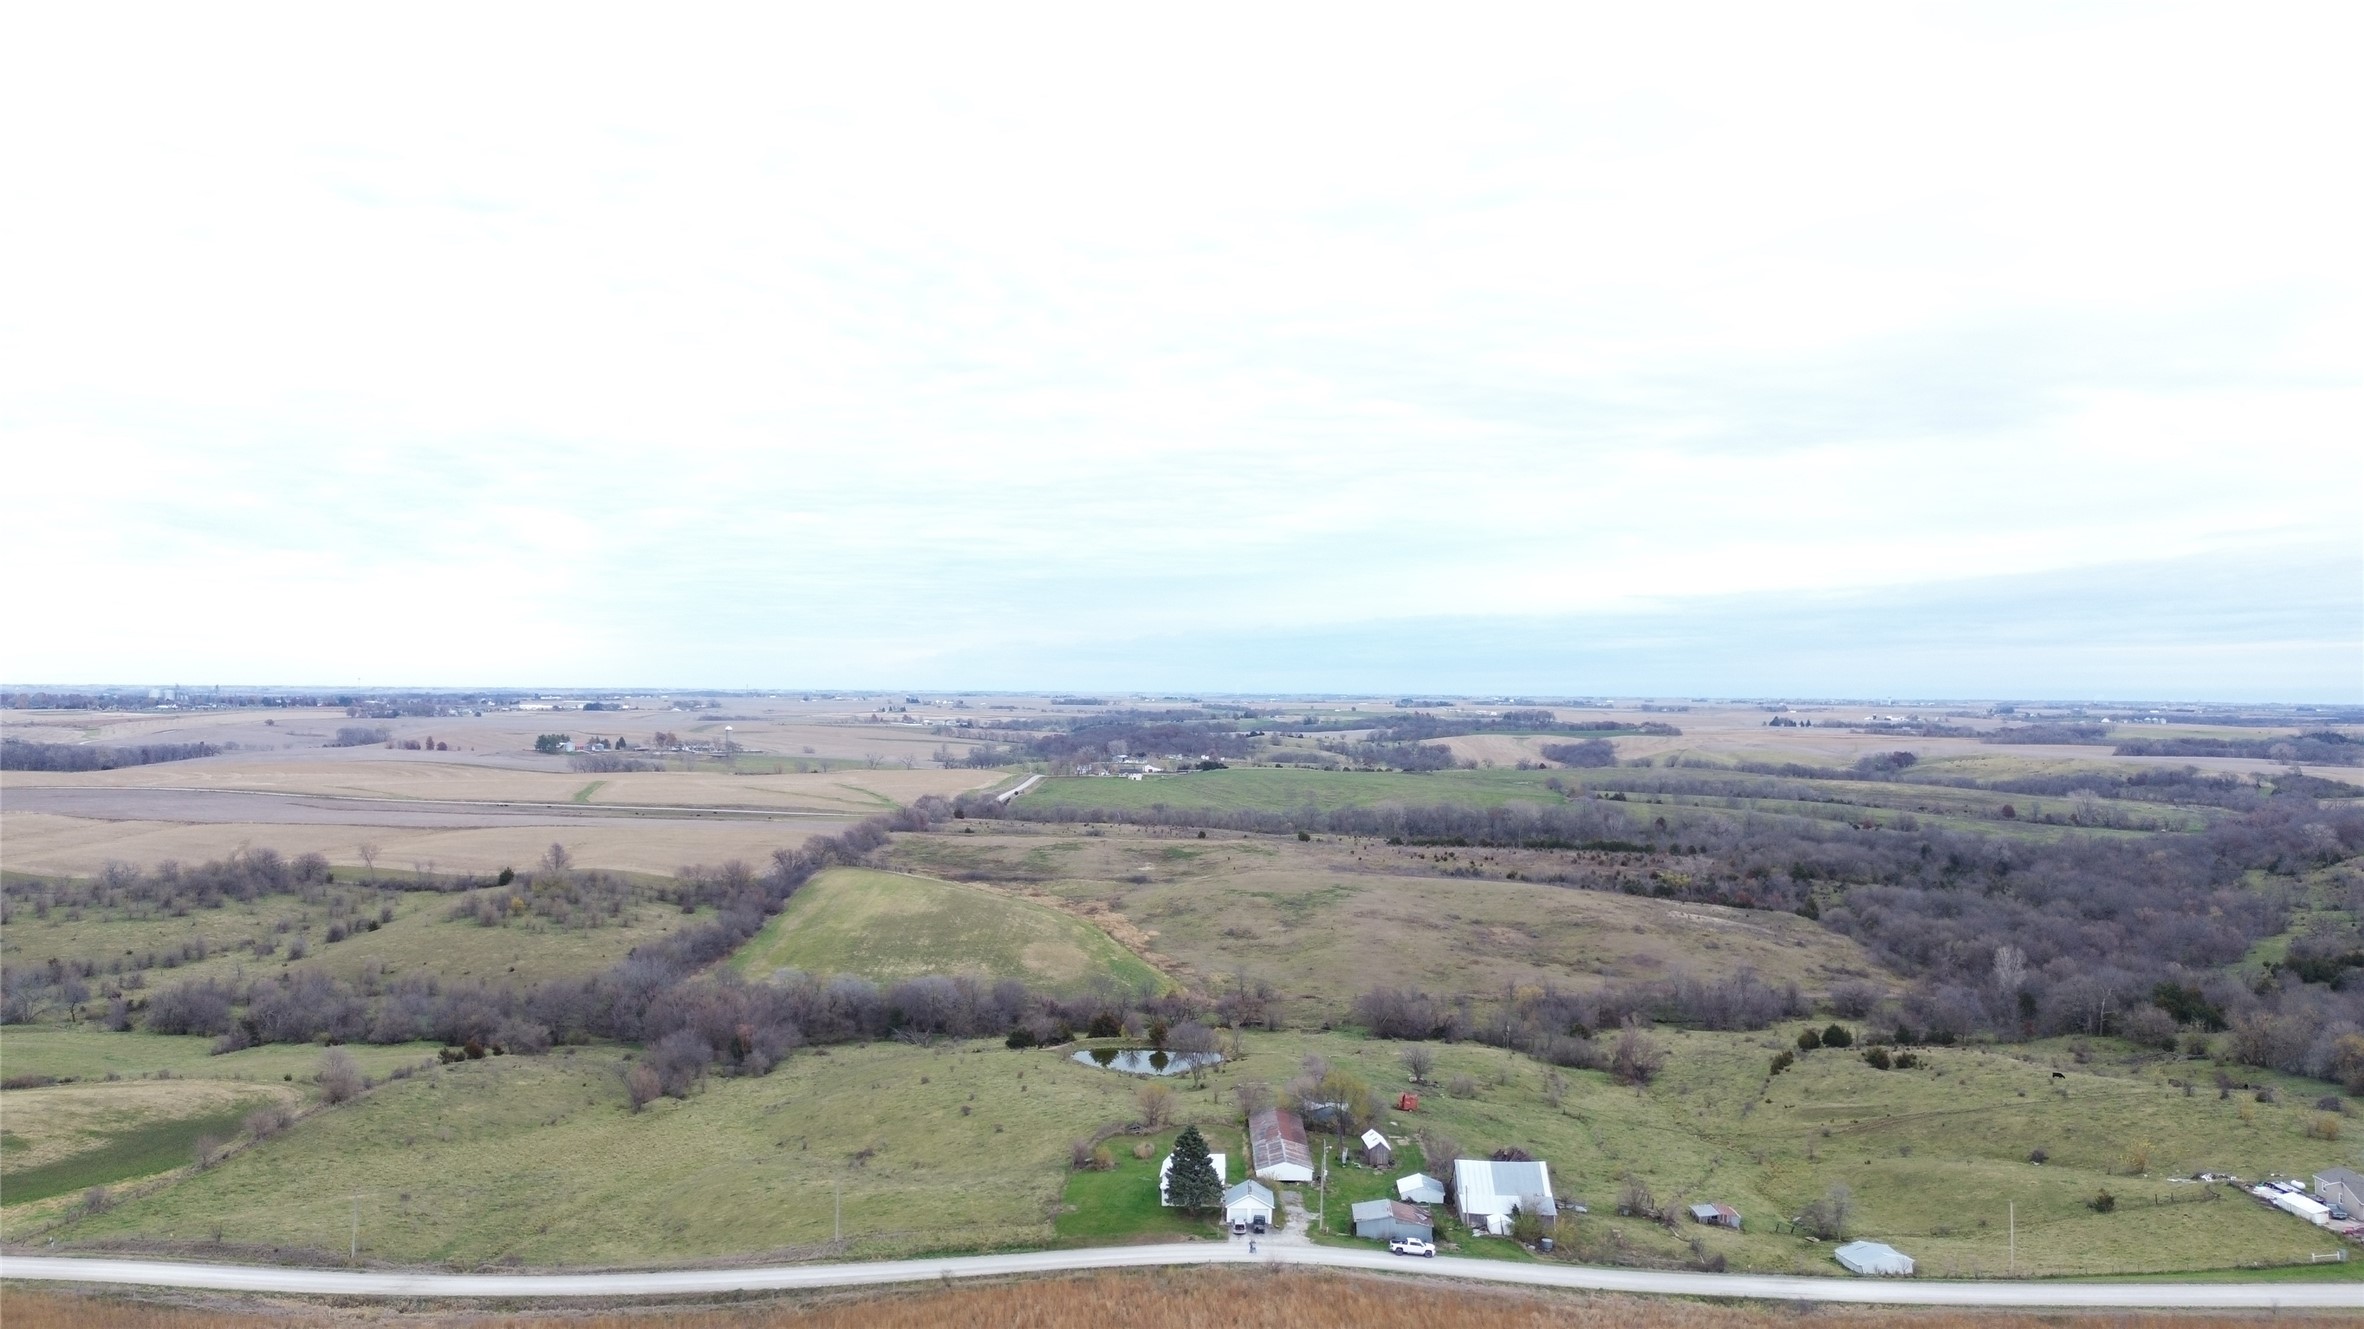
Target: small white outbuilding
<point>2301,1206</point>
<point>1420,1188</point>
<point>1874,1259</point>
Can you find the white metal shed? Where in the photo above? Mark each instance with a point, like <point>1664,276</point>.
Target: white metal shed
<point>1874,1259</point>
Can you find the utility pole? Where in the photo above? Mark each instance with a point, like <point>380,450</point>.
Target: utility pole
<point>353,1254</point>
<point>2013,1220</point>
<point>837,1212</point>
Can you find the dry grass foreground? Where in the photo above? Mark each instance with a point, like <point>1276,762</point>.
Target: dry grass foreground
<point>1183,1299</point>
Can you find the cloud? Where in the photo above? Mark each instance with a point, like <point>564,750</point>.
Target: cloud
<point>760,347</point>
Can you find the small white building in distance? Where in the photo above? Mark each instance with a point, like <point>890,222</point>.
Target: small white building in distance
<point>1874,1259</point>
<point>1420,1188</point>
<point>1165,1170</point>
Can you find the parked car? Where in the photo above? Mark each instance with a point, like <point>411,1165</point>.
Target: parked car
<point>1239,1229</point>
<point>1256,1225</point>
<point>1412,1246</point>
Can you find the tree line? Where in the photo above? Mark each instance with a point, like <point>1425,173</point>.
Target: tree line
<point>17,754</point>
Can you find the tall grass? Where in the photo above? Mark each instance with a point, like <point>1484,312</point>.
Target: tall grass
<point>1182,1299</point>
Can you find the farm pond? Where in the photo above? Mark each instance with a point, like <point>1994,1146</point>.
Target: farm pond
<point>1145,1061</point>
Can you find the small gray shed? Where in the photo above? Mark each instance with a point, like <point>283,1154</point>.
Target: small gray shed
<point>1717,1215</point>
<point>1376,1151</point>
<point>1391,1220</point>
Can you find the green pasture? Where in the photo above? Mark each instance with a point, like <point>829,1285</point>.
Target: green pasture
<point>889,925</point>
<point>965,1146</point>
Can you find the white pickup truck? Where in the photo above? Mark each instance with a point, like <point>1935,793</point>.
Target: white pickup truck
<point>1412,1246</point>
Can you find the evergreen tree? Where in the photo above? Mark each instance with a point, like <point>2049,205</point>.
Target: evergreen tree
<point>1193,1184</point>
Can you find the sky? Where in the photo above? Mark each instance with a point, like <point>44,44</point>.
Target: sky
<point>1820,350</point>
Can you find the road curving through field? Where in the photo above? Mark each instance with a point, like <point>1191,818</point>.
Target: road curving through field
<point>778,1278</point>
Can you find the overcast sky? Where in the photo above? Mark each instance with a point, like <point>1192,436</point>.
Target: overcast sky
<point>1811,350</point>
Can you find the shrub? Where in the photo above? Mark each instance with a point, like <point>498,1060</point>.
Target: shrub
<point>1904,1061</point>
<point>1828,1217</point>
<point>1019,1038</point>
<point>1836,1036</point>
<point>641,1083</point>
<point>1461,1086</point>
<point>1783,1061</point>
<point>2325,1126</point>
<point>1638,1058</point>
<point>265,1122</point>
<point>2039,1154</point>
<point>339,1077</point>
<point>2102,1203</point>
<point>1876,1058</point>
<point>1808,1040</point>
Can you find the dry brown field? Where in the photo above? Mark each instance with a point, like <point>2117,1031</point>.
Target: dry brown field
<point>1323,918</point>
<point>36,842</point>
<point>1172,1299</point>
<point>488,802</point>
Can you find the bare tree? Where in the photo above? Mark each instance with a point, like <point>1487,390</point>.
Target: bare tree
<point>1157,1105</point>
<point>1253,1096</point>
<point>339,1076</point>
<point>1828,1217</point>
<point>369,860</point>
<point>1195,1044</point>
<point>1419,1061</point>
<point>1638,1057</point>
<point>208,1150</point>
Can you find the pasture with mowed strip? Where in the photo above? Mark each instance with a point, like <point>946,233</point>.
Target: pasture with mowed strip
<point>890,925</point>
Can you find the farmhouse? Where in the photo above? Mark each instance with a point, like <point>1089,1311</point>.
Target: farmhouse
<point>2337,1185</point>
<point>1276,1146</point>
<point>1165,1170</point>
<point>1420,1188</point>
<point>1874,1259</point>
<point>1247,1202</point>
<point>1489,1192</point>
<point>1392,1220</point>
<point>1716,1215</point>
<point>1376,1152</point>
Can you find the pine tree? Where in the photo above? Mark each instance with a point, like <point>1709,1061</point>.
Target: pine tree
<point>1193,1184</point>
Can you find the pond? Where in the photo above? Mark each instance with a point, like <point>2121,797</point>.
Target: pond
<point>1145,1061</point>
